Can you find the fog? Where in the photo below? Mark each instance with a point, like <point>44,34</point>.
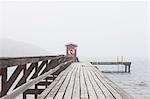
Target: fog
<point>99,28</point>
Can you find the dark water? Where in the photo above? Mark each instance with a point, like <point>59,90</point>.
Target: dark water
<point>136,83</point>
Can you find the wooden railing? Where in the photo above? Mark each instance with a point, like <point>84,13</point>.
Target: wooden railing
<point>37,71</point>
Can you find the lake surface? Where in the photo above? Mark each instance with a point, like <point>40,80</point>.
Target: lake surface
<point>136,83</point>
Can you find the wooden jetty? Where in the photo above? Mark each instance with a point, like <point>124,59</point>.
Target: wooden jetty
<point>61,77</point>
<point>126,64</point>
<point>83,81</point>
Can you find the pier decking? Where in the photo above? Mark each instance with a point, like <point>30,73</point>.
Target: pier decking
<point>127,65</point>
<point>82,81</point>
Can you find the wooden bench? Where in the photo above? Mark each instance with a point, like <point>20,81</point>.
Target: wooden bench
<point>83,81</point>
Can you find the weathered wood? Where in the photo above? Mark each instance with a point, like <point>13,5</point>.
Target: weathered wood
<point>34,91</point>
<point>32,82</point>
<point>52,64</point>
<point>44,83</point>
<point>106,92</point>
<point>126,64</point>
<point>76,90</point>
<point>61,91</point>
<point>27,73</point>
<point>69,90</point>
<point>51,86</point>
<point>111,63</point>
<point>54,91</point>
<point>39,69</point>
<point>99,92</point>
<point>91,91</point>
<point>13,77</point>
<point>82,81</point>
<point>109,88</point>
<point>4,81</point>
<point>117,91</point>
<point>84,92</point>
<point>13,61</point>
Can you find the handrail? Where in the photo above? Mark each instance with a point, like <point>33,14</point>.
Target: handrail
<point>41,66</point>
<point>13,61</point>
<point>32,82</point>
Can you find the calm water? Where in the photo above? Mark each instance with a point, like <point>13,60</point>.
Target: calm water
<point>136,83</point>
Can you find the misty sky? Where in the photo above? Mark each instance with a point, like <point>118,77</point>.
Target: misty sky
<point>104,28</point>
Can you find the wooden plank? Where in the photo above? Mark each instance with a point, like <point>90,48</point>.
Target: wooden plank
<point>33,91</point>
<point>70,87</point>
<point>111,90</point>
<point>98,90</point>
<point>6,85</point>
<point>90,89</point>
<point>54,91</point>
<point>124,94</point>
<point>3,81</point>
<point>28,71</point>
<point>82,81</point>
<point>105,91</point>
<point>30,83</point>
<point>13,61</point>
<point>83,88</point>
<point>76,90</point>
<point>116,91</point>
<point>111,63</point>
<point>49,88</point>
<point>61,91</point>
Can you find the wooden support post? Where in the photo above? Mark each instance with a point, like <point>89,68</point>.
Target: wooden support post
<point>3,82</point>
<point>53,77</point>
<point>0,71</point>
<point>36,91</point>
<point>36,86</point>
<point>129,69</point>
<point>47,64</point>
<point>125,68</point>
<point>46,82</point>
<point>24,80</point>
<point>24,95</point>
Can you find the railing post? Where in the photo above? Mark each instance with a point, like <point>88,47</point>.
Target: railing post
<point>125,68</point>
<point>129,68</point>
<point>24,80</point>
<point>4,82</point>
<point>36,75</point>
<point>46,78</point>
